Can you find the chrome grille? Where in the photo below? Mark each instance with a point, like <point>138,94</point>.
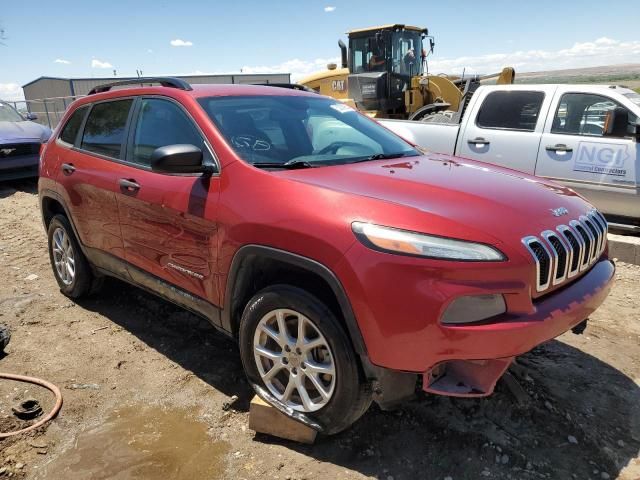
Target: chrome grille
<point>561,256</point>
<point>543,260</point>
<point>562,253</point>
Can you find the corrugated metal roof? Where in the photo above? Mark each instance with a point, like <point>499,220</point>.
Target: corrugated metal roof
<point>111,79</point>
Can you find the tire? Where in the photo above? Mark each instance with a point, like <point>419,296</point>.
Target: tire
<point>81,280</point>
<point>439,117</point>
<point>349,394</point>
<point>5,337</point>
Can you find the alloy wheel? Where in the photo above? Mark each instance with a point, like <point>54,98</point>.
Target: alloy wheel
<point>294,360</point>
<point>63,256</point>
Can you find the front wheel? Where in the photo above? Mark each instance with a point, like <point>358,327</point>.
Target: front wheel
<point>293,346</point>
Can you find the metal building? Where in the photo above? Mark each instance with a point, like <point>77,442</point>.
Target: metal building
<point>49,97</point>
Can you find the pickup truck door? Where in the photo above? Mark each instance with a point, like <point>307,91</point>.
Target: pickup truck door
<point>504,127</point>
<point>575,151</point>
<point>168,222</point>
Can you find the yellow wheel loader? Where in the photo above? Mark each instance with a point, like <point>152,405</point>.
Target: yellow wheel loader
<point>384,73</point>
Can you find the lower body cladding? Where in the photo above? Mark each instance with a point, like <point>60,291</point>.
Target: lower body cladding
<point>18,166</point>
<point>407,334</point>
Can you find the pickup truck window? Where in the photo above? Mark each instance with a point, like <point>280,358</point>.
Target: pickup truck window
<point>511,110</point>
<point>583,114</point>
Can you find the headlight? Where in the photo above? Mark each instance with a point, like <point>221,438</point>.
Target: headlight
<point>404,242</point>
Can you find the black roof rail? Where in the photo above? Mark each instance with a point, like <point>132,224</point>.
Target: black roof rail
<point>164,81</point>
<point>292,86</point>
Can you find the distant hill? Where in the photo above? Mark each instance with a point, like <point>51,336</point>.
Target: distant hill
<point>625,74</point>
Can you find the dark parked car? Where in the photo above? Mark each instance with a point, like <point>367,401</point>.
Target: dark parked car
<point>20,140</point>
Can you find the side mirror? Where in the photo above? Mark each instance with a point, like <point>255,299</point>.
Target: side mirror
<point>31,116</point>
<point>636,134</point>
<point>616,122</point>
<point>180,158</point>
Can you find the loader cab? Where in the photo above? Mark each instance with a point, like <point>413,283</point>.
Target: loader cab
<point>382,61</point>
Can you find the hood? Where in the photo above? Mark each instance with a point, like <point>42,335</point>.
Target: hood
<point>19,132</point>
<point>475,197</point>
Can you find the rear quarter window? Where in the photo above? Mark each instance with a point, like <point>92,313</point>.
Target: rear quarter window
<point>511,110</point>
<point>105,128</point>
<point>70,131</point>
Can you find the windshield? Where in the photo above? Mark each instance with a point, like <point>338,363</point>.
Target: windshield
<point>9,114</point>
<point>280,131</point>
<point>634,97</point>
<point>407,52</point>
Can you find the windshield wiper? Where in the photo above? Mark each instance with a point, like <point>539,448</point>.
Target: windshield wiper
<point>382,156</point>
<point>290,165</point>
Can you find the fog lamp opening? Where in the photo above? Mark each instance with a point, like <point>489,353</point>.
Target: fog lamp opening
<point>474,308</point>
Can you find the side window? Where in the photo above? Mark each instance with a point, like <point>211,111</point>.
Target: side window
<point>105,127</point>
<point>161,123</point>
<point>511,110</point>
<point>70,130</point>
<point>584,114</point>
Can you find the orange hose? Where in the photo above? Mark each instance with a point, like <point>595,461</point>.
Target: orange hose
<point>43,383</point>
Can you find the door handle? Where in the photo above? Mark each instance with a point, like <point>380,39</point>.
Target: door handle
<point>68,168</point>
<point>560,147</point>
<point>128,186</point>
<point>478,141</point>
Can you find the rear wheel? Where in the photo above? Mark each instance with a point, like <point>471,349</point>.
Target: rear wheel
<point>70,267</point>
<point>293,346</point>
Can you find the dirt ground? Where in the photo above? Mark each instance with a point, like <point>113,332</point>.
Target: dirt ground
<point>147,388</point>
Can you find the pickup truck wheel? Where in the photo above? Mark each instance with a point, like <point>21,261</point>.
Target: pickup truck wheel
<point>70,266</point>
<point>293,346</point>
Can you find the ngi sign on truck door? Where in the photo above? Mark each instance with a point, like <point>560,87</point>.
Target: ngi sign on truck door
<point>602,158</point>
<point>602,161</point>
<point>585,136</point>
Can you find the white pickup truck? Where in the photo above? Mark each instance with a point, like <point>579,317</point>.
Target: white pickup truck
<point>584,136</point>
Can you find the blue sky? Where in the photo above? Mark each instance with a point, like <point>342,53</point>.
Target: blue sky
<point>92,38</point>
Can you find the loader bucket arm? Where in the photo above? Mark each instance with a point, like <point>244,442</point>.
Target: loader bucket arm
<point>507,76</point>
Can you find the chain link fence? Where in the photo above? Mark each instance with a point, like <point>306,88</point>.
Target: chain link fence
<point>49,111</point>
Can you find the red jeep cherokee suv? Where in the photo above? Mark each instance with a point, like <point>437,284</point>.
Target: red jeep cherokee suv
<point>347,263</point>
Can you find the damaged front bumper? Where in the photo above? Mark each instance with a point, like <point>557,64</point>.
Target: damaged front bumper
<point>483,352</point>
<point>554,314</point>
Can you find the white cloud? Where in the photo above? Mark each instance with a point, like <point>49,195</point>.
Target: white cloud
<point>99,64</point>
<point>11,91</point>
<point>297,68</point>
<point>60,60</point>
<point>329,9</point>
<point>181,43</point>
<point>603,51</point>
<point>149,50</point>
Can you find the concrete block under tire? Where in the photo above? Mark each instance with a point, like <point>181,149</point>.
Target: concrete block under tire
<point>263,418</point>
<point>625,248</point>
